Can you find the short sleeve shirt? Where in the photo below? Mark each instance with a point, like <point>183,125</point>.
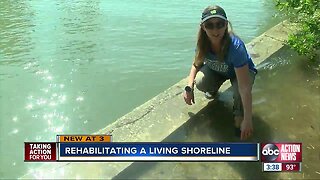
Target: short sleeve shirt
<point>237,57</point>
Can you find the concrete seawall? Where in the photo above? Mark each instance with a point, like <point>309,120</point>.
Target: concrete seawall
<point>156,119</point>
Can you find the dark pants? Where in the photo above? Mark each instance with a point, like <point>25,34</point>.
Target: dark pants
<point>208,80</point>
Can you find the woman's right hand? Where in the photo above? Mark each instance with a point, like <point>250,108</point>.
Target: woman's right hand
<point>189,97</point>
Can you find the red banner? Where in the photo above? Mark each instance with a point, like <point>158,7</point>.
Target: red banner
<point>40,151</point>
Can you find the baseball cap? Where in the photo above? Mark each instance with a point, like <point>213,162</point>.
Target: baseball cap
<point>212,12</point>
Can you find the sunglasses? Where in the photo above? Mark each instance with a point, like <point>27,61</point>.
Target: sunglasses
<point>211,25</point>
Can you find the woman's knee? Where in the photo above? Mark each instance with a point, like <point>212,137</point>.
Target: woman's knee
<point>200,81</point>
<point>208,81</point>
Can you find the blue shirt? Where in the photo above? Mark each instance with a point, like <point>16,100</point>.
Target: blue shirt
<point>237,57</point>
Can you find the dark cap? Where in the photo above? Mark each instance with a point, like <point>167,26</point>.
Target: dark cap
<point>214,11</point>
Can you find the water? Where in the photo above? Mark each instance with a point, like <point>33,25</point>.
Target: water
<point>76,66</point>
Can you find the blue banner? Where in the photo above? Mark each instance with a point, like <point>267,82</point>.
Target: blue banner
<point>158,151</point>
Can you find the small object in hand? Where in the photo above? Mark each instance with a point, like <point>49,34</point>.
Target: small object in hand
<point>188,89</point>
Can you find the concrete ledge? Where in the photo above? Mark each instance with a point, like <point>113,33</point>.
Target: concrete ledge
<point>156,119</point>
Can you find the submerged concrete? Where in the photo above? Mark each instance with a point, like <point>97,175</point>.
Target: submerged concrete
<point>159,117</point>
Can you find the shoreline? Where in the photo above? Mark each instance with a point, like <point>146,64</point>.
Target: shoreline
<point>159,117</point>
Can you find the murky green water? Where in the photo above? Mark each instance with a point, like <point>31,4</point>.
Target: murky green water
<point>76,66</point>
<point>286,102</point>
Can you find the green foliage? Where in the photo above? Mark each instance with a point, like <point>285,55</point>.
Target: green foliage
<point>306,13</point>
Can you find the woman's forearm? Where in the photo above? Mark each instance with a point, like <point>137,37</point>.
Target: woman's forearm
<point>192,75</point>
<point>246,97</point>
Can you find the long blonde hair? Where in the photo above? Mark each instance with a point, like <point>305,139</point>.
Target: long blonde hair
<point>204,45</point>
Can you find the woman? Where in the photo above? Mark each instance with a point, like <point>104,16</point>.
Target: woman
<point>220,55</point>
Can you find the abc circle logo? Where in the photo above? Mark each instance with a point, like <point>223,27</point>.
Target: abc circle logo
<point>270,152</point>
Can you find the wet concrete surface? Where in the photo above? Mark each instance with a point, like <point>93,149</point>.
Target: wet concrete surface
<point>286,109</point>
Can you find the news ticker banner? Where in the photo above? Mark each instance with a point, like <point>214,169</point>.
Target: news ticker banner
<point>100,148</point>
<point>157,152</point>
<point>276,157</point>
<point>279,157</point>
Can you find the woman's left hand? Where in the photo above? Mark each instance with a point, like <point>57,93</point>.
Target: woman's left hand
<point>246,129</point>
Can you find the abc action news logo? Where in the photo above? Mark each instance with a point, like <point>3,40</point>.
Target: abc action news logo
<point>281,152</point>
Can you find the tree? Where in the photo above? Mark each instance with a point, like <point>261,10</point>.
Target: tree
<point>306,13</point>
